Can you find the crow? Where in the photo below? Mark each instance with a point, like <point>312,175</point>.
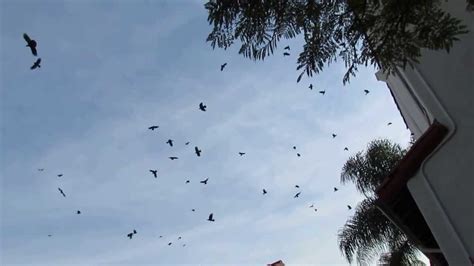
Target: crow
<point>78,212</point>
<point>366,92</point>
<point>322,92</point>
<point>134,231</point>
<point>169,244</point>
<point>299,155</point>
<point>389,123</point>
<point>187,143</point>
<point>170,142</point>
<point>286,54</point>
<point>62,192</point>
<point>223,66</point>
<point>287,48</point>
<point>297,195</point>
<point>296,186</point>
<point>294,147</point>
<point>202,107</point>
<point>312,205</point>
<point>179,238</point>
<point>36,64</point>
<point>130,235</point>
<point>333,135</point>
<point>41,169</point>
<point>211,218</point>
<point>349,207</point>
<point>60,175</point>
<point>187,181</point>
<point>335,189</point>
<point>310,86</point>
<point>241,153</point>
<point>172,158</point>
<point>30,43</point>
<point>346,149</point>
<point>204,181</point>
<point>197,151</point>
<point>264,191</point>
<point>153,127</point>
<point>193,210</point>
<point>154,172</point>
<point>315,209</point>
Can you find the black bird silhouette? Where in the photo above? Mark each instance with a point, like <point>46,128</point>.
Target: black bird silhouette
<point>153,127</point>
<point>287,48</point>
<point>187,181</point>
<point>264,191</point>
<point>134,231</point>
<point>296,186</point>
<point>154,172</point>
<point>30,43</point>
<point>322,92</point>
<point>346,149</point>
<point>312,205</point>
<point>161,236</point>
<point>78,212</point>
<point>50,235</point>
<point>241,153</point>
<point>169,244</point>
<point>204,181</point>
<point>179,238</point>
<point>41,169</point>
<point>62,192</point>
<point>223,66</point>
<point>299,155</point>
<point>184,245</point>
<point>60,175</point>
<point>202,107</point>
<point>211,218</point>
<point>130,235</point>
<point>366,92</point>
<point>170,142</point>
<point>349,207</point>
<point>172,158</point>
<point>294,147</point>
<point>315,209</point>
<point>310,86</point>
<point>297,195</point>
<point>286,54</point>
<point>193,210</point>
<point>333,135</point>
<point>335,189</point>
<point>36,64</point>
<point>197,151</point>
<point>389,123</point>
<point>187,143</point>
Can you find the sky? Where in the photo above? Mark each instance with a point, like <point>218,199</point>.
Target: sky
<point>111,69</point>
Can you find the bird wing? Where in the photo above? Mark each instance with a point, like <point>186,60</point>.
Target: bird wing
<point>211,216</point>
<point>26,37</point>
<point>38,61</point>
<point>33,51</point>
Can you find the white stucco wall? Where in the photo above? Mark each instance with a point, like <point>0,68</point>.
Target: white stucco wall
<point>443,188</point>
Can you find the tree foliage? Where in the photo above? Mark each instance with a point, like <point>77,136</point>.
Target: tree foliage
<point>368,232</point>
<point>384,33</point>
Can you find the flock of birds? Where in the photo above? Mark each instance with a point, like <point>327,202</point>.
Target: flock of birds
<point>32,44</point>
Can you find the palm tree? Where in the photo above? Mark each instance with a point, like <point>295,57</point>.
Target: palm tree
<point>368,232</point>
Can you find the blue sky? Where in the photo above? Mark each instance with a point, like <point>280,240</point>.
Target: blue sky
<point>112,69</point>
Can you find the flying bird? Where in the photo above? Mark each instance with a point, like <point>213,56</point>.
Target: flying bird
<point>264,191</point>
<point>154,172</point>
<point>202,107</point>
<point>241,153</point>
<point>335,189</point>
<point>366,92</point>
<point>60,175</point>
<point>169,244</point>
<point>204,181</point>
<point>187,143</point>
<point>78,212</point>
<point>312,205</point>
<point>197,151</point>
<point>333,135</point>
<point>172,158</point>
<point>41,169</point>
<point>36,64</point>
<point>153,127</point>
<point>134,231</point>
<point>30,43</point>
<point>315,209</point>
<point>223,66</point>
<point>170,142</point>
<point>310,86</point>
<point>179,238</point>
<point>296,186</point>
<point>161,236</point>
<point>184,245</point>
<point>299,155</point>
<point>211,218</point>
<point>294,147</point>
<point>187,181</point>
<point>349,207</point>
<point>346,149</point>
<point>322,92</point>
<point>286,54</point>
<point>297,195</point>
<point>389,123</point>
<point>62,192</point>
<point>50,235</point>
<point>130,235</point>
<point>193,210</point>
<point>287,48</point>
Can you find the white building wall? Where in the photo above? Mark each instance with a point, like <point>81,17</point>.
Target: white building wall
<point>444,186</point>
